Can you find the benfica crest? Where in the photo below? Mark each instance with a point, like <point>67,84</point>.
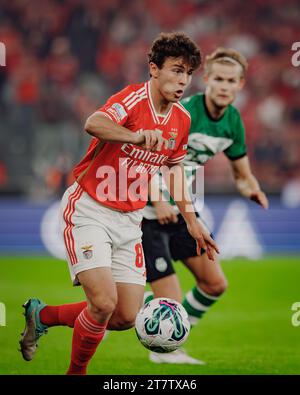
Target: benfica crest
<point>172,141</point>
<point>171,144</point>
<point>87,251</point>
<point>173,135</point>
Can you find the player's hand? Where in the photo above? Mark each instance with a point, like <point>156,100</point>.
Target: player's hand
<point>203,239</point>
<point>260,198</point>
<point>151,140</point>
<point>165,212</point>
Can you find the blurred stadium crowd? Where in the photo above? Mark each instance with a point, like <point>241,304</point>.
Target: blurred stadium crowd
<point>64,58</point>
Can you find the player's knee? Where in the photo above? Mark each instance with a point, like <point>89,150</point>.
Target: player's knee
<point>216,288</point>
<point>105,306</point>
<point>220,287</point>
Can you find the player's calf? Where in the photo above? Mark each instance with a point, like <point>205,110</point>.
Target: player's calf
<point>201,298</point>
<point>101,294</point>
<point>87,335</point>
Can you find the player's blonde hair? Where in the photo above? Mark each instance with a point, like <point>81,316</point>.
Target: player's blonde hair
<point>225,56</point>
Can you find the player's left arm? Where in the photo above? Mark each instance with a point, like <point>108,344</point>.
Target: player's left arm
<point>246,183</point>
<point>175,179</point>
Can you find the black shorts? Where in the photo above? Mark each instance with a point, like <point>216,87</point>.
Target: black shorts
<point>164,243</point>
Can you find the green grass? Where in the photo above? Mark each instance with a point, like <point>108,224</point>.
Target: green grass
<point>248,331</point>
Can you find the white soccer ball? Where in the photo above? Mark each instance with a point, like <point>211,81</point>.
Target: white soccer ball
<point>162,325</point>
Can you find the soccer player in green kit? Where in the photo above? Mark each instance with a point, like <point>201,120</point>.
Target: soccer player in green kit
<point>216,127</point>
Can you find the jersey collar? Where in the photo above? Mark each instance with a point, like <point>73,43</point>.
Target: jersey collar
<point>160,119</point>
<point>208,113</point>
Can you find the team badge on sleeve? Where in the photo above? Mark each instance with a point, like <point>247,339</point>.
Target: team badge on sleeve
<point>87,251</point>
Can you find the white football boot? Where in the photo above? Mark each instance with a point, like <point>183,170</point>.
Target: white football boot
<point>174,357</point>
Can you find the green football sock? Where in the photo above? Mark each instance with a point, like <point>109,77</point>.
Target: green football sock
<point>197,302</point>
<point>148,296</point>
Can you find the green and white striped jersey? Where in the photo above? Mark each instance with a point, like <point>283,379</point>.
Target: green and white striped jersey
<point>207,137</point>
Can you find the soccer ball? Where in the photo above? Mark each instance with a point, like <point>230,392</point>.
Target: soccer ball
<point>162,325</point>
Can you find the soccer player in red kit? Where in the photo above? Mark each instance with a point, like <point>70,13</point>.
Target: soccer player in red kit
<point>138,130</point>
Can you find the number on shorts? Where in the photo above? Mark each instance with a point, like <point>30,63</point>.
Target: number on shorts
<point>139,260</point>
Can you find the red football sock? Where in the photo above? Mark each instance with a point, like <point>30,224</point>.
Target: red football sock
<point>87,334</point>
<point>65,314</point>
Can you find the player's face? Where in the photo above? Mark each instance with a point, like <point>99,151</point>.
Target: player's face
<point>172,79</point>
<point>223,83</point>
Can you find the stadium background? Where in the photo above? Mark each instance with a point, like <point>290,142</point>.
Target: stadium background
<point>63,60</point>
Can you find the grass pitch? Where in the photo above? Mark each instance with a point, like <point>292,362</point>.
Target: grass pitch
<point>249,331</point>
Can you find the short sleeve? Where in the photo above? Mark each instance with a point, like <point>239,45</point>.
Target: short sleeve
<point>238,148</point>
<point>115,108</point>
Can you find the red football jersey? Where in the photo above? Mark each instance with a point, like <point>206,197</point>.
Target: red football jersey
<point>117,174</point>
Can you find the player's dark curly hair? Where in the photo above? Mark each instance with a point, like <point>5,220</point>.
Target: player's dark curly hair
<point>175,44</point>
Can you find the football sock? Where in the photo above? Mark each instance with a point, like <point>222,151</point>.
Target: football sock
<point>148,296</point>
<point>65,314</point>
<point>87,334</point>
<point>197,302</point>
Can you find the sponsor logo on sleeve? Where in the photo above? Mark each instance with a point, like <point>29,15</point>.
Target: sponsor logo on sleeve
<point>117,111</point>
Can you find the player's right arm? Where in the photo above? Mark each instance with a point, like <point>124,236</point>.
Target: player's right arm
<point>100,126</point>
<point>109,123</point>
<point>246,183</point>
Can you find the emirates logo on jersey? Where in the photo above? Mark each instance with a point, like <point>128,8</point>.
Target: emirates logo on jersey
<point>143,155</point>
